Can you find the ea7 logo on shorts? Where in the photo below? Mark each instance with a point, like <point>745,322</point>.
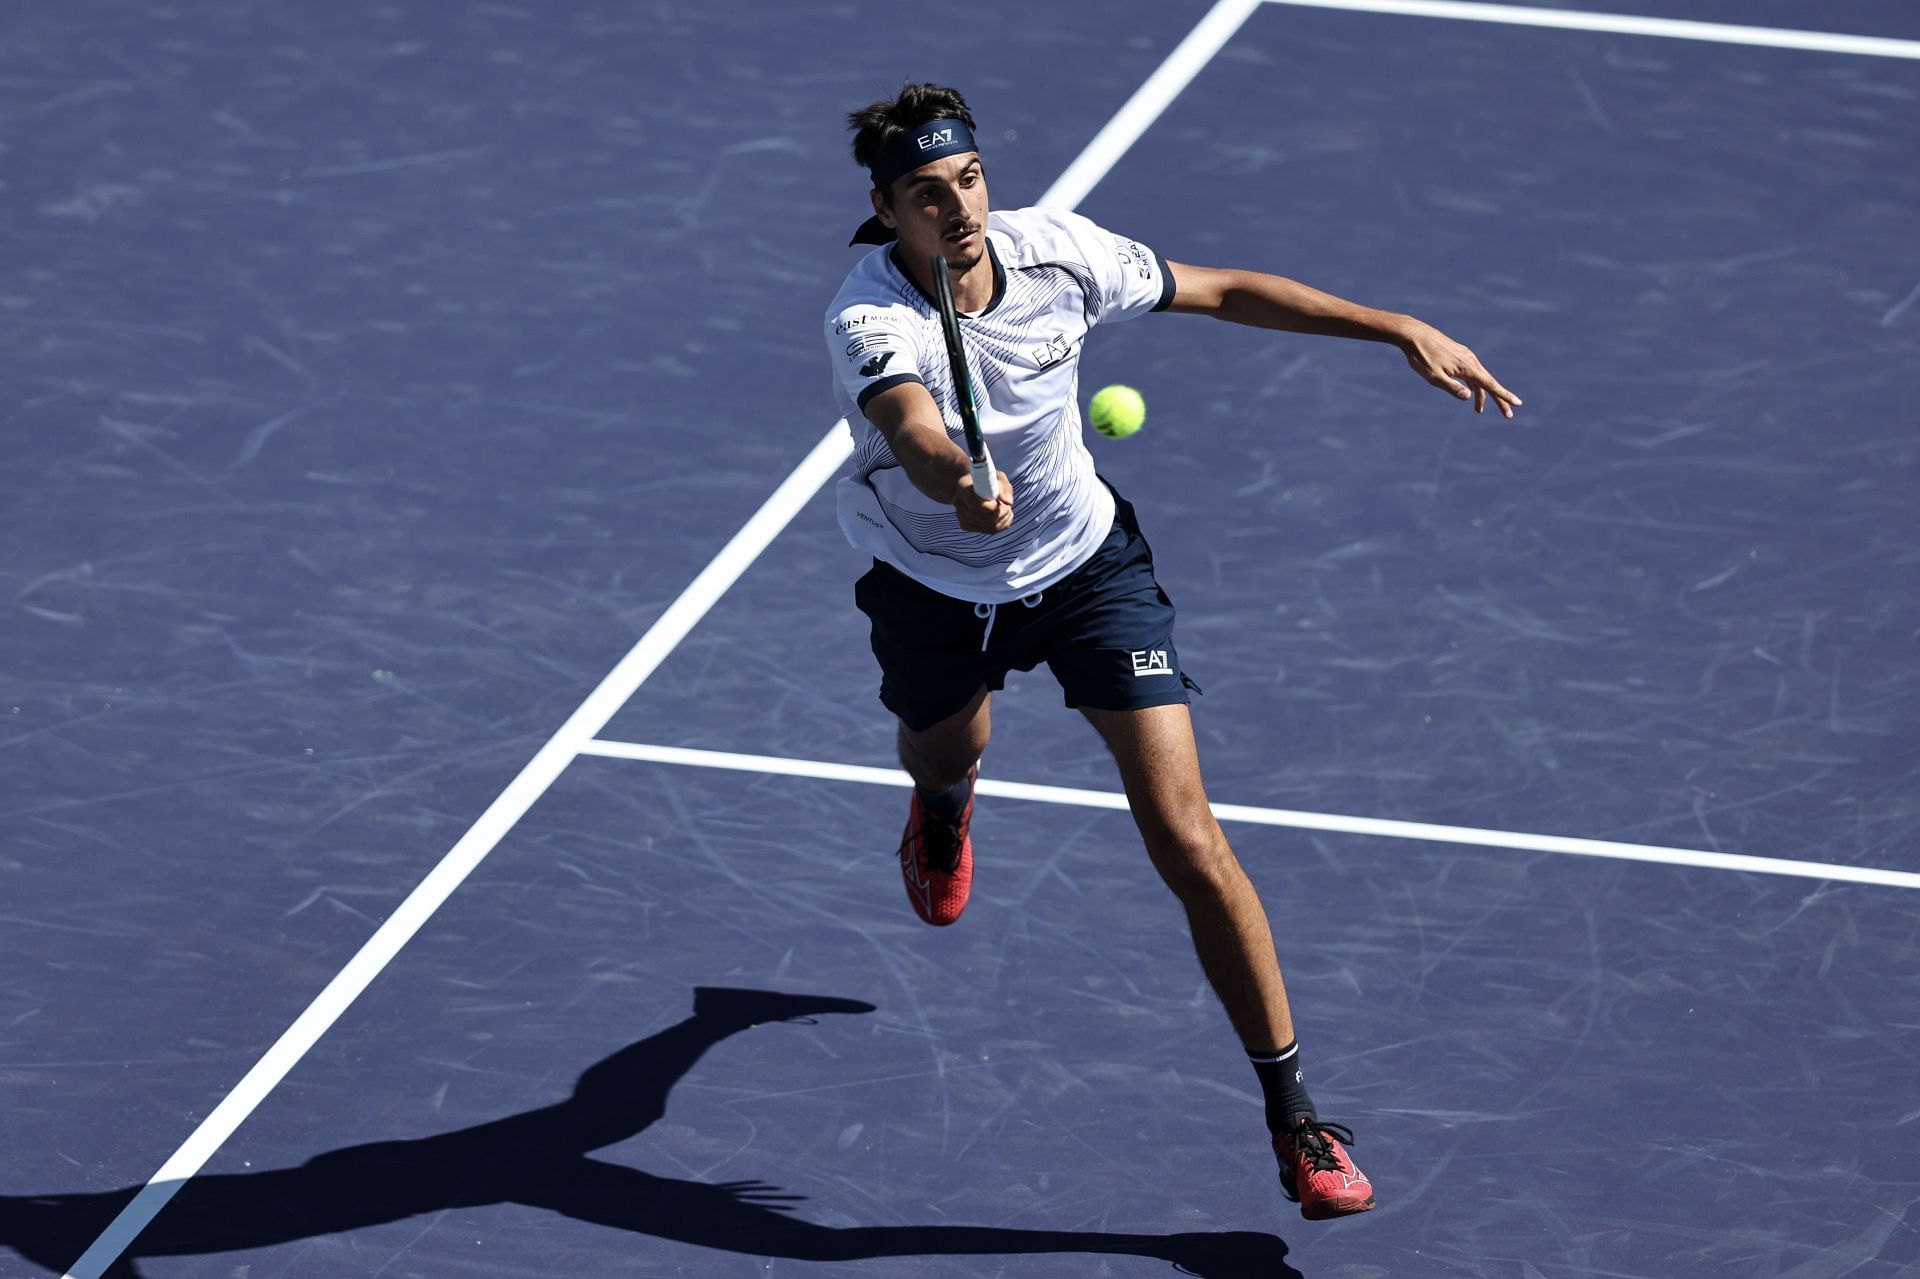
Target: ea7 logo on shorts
<point>1150,661</point>
<point>938,138</point>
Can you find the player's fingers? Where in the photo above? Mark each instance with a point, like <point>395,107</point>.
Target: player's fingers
<point>1476,372</point>
<point>1436,376</point>
<point>976,515</point>
<point>1506,401</point>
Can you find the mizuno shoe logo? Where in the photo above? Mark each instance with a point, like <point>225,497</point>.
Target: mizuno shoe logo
<point>917,883</point>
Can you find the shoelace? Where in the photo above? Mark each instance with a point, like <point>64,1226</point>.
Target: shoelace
<point>939,845</point>
<point>1310,1139</point>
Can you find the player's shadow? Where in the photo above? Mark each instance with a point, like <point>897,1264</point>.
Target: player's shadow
<point>541,1158</point>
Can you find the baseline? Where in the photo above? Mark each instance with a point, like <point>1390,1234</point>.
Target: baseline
<point>1384,828</point>
<point>1625,24</point>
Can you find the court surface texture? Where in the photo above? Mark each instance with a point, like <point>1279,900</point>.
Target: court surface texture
<point>449,822</point>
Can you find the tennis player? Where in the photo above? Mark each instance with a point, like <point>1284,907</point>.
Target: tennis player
<point>1054,568</point>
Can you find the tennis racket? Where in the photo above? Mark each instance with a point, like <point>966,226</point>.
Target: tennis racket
<point>984,482</point>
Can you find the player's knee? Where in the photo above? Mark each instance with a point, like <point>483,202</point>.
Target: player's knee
<point>1192,855</point>
<point>940,771</point>
<point>938,764</point>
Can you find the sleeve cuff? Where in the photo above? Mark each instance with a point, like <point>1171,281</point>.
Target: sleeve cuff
<point>872,389</point>
<point>1166,282</point>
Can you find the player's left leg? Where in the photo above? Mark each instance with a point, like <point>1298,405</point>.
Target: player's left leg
<point>1160,767</point>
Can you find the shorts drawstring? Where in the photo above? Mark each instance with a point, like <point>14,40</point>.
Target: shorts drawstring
<point>988,611</point>
<point>991,612</point>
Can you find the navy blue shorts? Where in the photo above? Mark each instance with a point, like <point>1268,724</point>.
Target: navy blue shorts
<point>1105,631</point>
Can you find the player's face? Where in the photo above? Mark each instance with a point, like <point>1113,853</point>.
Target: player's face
<point>941,208</point>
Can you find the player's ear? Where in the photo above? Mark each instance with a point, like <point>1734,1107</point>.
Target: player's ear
<point>880,209</point>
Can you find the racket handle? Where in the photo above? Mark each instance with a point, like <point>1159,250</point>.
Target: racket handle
<point>984,481</point>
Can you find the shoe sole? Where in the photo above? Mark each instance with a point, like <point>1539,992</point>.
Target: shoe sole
<point>1328,1211</point>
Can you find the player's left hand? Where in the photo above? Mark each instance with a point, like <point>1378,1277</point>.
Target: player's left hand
<point>1455,369</point>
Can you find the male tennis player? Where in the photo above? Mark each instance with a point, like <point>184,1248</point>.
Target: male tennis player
<point>1054,568</point>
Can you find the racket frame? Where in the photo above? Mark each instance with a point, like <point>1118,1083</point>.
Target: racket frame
<point>980,462</point>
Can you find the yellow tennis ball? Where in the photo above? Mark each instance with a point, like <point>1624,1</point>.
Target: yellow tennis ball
<point>1117,411</point>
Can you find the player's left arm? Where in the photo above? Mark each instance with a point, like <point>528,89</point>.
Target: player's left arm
<point>1275,302</point>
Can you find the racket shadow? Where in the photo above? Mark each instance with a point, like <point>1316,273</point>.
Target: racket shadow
<point>542,1158</point>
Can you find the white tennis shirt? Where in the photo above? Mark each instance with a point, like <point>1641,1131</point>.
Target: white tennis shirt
<point>1056,275</point>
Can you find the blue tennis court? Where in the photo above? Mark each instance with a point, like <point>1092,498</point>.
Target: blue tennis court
<point>451,824</point>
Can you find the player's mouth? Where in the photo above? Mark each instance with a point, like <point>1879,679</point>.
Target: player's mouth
<point>964,237</point>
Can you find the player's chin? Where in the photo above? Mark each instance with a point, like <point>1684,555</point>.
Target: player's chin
<point>965,252</point>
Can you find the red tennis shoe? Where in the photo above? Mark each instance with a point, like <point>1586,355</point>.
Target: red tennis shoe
<point>1316,1173</point>
<point>936,860</point>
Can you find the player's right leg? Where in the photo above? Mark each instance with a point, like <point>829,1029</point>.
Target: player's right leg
<point>937,675</point>
<point>936,849</point>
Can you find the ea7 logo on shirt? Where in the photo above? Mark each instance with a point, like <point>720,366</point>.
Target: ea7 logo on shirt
<point>938,138</point>
<point>872,367</point>
<point>1150,661</point>
<point>1054,351</point>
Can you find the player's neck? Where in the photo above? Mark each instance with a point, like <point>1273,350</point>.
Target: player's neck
<point>974,290</point>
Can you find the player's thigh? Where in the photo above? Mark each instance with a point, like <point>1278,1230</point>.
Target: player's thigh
<point>950,747</point>
<point>933,664</point>
<point>1159,765</point>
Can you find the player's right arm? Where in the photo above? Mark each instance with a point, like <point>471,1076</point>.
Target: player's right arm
<point>909,419</point>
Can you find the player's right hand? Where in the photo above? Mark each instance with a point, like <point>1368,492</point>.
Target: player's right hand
<point>978,515</point>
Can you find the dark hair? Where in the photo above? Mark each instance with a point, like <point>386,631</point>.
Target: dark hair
<point>880,122</point>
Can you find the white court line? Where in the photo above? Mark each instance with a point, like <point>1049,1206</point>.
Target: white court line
<point>1293,818</point>
<point>1626,24</point>
<point>826,459</point>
